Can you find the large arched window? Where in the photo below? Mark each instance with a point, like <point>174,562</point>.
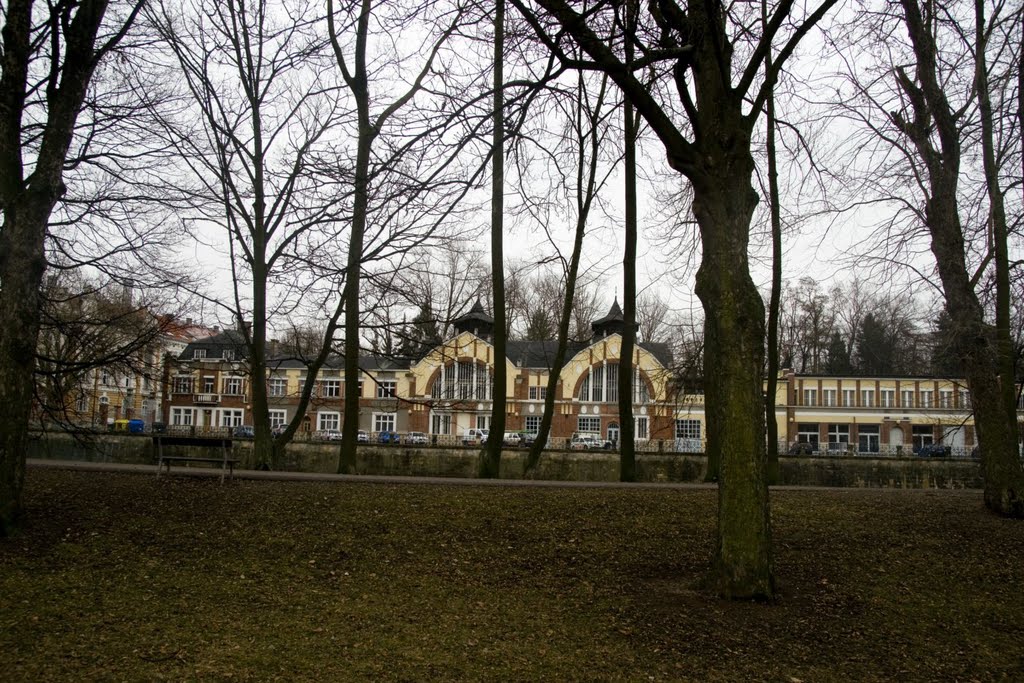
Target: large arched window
<point>463,381</point>
<point>601,385</point>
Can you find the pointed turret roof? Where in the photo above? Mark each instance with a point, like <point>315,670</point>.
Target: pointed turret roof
<point>612,323</point>
<point>475,321</point>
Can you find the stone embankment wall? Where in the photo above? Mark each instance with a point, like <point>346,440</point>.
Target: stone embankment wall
<point>862,472</point>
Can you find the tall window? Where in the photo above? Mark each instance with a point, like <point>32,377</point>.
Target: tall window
<point>807,432</point>
<point>838,437</point>
<point>810,397</point>
<point>640,431</point>
<point>209,385</point>
<point>965,399</point>
<point>330,388</point>
<point>228,354</point>
<point>907,398</point>
<point>867,398</point>
<point>922,435</point>
<point>383,422</point>
<point>589,424</point>
<point>601,385</point>
<point>867,439</point>
<point>277,386</point>
<point>849,398</point>
<point>386,388</point>
<point>278,418</point>
<point>440,424</point>
<point>463,380</point>
<point>887,398</point>
<point>828,397</point>
<point>926,398</point>
<point>232,386</point>
<point>533,423</point>
<point>328,420</point>
<point>946,398</point>
<point>182,384</point>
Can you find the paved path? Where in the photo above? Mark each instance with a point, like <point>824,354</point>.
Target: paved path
<point>435,481</point>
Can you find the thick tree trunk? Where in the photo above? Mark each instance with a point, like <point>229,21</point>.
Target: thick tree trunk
<point>21,266</point>
<point>627,429</point>
<point>490,464</point>
<point>733,372</point>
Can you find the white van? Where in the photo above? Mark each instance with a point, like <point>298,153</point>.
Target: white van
<point>474,437</point>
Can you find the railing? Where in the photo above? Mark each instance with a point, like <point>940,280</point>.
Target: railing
<point>206,398</point>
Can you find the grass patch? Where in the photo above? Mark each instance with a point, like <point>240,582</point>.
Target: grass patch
<point>126,577</point>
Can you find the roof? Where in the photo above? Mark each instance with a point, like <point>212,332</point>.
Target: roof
<point>614,316</point>
<point>477,312</point>
<point>541,354</point>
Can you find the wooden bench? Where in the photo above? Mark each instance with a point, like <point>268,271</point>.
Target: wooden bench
<point>227,465</point>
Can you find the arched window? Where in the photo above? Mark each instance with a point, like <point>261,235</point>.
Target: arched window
<point>601,385</point>
<point>463,380</point>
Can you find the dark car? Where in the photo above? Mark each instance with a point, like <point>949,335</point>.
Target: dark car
<point>388,437</point>
<point>244,432</point>
<point>933,450</point>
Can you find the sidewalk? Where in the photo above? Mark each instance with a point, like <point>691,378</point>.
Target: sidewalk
<point>351,478</point>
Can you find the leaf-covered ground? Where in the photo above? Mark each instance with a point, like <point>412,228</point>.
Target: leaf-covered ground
<point>126,577</point>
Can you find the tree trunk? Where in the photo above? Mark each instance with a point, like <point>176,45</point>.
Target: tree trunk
<point>733,373</point>
<point>776,293</point>
<point>490,464</point>
<point>627,436</point>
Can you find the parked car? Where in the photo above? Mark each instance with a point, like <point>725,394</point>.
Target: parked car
<point>474,437</point>
<point>512,439</point>
<point>388,437</point>
<point>934,450</point>
<point>589,442</point>
<point>527,438</point>
<point>329,435</point>
<point>416,439</point>
<point>278,430</point>
<point>362,436</point>
<point>244,432</point>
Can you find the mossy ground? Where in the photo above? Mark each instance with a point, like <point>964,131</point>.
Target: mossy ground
<point>126,577</point>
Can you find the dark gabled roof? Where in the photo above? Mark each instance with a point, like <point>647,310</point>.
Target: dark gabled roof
<point>614,315</point>
<point>476,313</point>
<point>215,346</point>
<point>541,354</point>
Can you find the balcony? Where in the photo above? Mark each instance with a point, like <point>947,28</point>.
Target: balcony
<point>206,398</point>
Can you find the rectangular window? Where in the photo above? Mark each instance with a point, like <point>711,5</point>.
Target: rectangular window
<point>867,398</point>
<point>867,439</point>
<point>277,386</point>
<point>888,398</point>
<point>230,417</point>
<point>849,398</point>
<point>198,354</point>
<point>232,386</point>
<point>807,432</point>
<point>483,383</point>
<point>386,389</point>
<point>483,421</point>
<point>588,424</point>
<point>538,393</point>
<point>328,421</point>
<point>688,436</point>
<point>907,398</point>
<point>383,422</point>
<point>611,378</point>
<point>330,388</point>
<point>440,424</point>
<point>640,428</point>
<point>533,423</point>
<point>83,403</point>
<point>922,435</point>
<point>597,384</point>
<point>828,397</point>
<point>183,417</point>
<point>946,398</point>
<point>838,437</point>
<point>926,399</point>
<point>228,354</point>
<point>182,384</point>
<point>810,397</point>
<point>965,399</point>
<point>209,385</point>
<point>278,418</point>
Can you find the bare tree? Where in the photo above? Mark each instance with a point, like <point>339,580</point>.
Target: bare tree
<point>697,45</point>
<point>50,54</point>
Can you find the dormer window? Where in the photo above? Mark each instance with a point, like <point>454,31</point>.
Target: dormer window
<point>198,354</point>
<point>228,354</point>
